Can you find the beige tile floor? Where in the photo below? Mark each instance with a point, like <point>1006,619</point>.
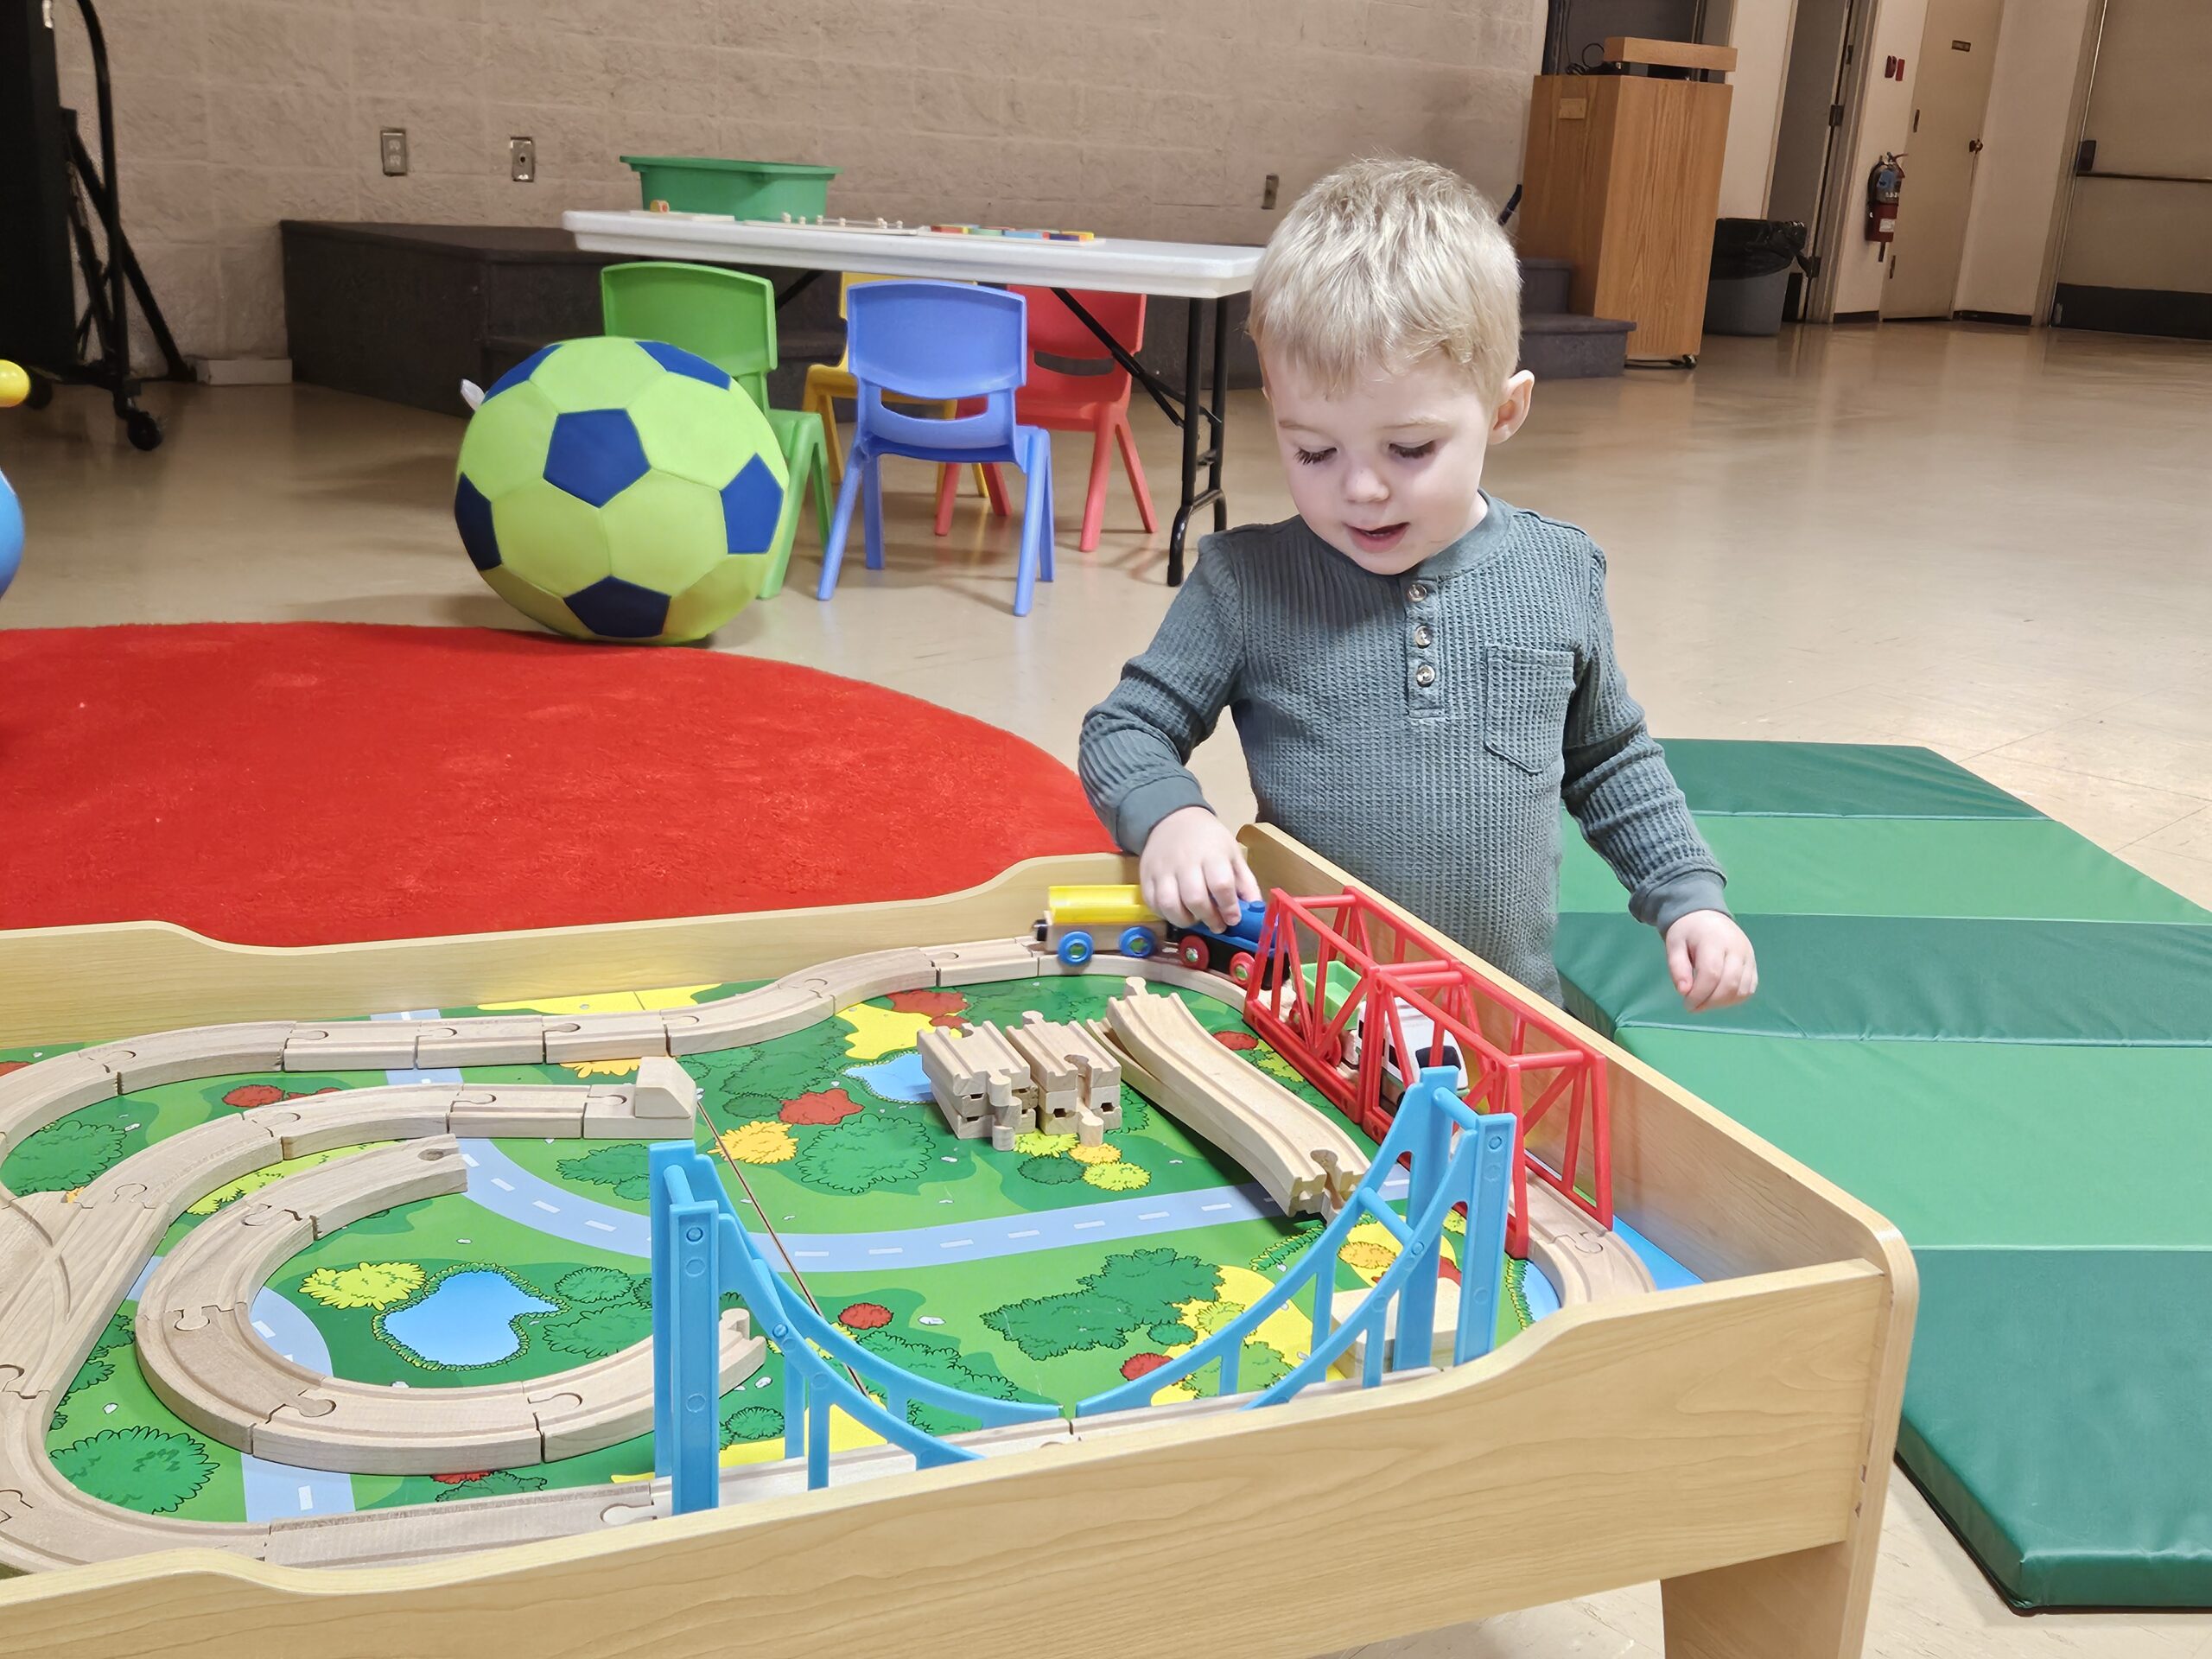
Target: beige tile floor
<point>1996,543</point>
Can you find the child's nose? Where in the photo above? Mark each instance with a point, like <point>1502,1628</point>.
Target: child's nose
<point>1365,484</point>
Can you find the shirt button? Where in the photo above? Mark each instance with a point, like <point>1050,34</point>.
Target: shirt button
<point>1418,592</point>
<point>1421,636</point>
<point>1424,675</point>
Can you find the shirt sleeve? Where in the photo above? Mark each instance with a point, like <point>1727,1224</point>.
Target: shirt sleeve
<point>1135,743</point>
<point>1619,788</point>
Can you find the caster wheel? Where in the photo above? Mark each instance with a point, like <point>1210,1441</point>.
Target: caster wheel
<point>41,394</point>
<point>143,431</point>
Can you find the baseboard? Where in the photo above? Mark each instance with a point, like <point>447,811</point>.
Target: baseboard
<point>2013,319</point>
<point>2164,311</point>
<point>242,371</point>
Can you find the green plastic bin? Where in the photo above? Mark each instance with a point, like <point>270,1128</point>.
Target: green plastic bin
<point>704,184</point>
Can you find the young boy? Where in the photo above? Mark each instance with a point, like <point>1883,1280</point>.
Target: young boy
<point>1420,673</point>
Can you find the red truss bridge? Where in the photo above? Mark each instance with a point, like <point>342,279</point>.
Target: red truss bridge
<point>1334,974</point>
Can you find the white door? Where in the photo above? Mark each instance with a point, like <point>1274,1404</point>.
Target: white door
<point>2138,256</point>
<point>1951,96</point>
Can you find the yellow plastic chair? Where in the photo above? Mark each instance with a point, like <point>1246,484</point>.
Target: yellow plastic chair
<point>826,383</point>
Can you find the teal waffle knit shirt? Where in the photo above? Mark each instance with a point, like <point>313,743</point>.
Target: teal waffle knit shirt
<point>1421,730</point>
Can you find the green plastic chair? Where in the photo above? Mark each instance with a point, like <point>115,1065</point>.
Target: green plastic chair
<point>728,317</point>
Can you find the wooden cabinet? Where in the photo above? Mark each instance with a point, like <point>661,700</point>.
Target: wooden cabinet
<point>1623,180</point>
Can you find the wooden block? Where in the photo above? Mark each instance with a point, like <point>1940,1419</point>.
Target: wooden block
<point>493,1112</point>
<point>483,1039</point>
<point>352,1046</point>
<point>195,1052</point>
<point>605,1037</point>
<point>665,1091</point>
<point>1001,1137</point>
<point>48,1091</point>
<point>1090,1129</point>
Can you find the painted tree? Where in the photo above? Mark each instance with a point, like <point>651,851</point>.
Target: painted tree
<point>488,1483</point>
<point>587,1287</point>
<point>150,1470</point>
<point>1117,1178</point>
<point>747,1423</point>
<point>65,1155</point>
<point>1050,1171</point>
<point>866,1153</point>
<point>379,1284</point>
<point>768,1142</point>
<point>617,1164</point>
<point>597,1330</point>
<point>821,1106</point>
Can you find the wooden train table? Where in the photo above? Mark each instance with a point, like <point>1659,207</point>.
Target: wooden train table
<point>207,1297</point>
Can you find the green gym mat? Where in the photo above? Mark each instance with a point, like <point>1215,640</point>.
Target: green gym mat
<point>2001,1037</point>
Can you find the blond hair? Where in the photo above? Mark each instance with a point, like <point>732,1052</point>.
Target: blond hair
<point>1381,263</point>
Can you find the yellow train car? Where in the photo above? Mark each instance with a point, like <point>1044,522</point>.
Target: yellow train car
<point>1081,920</point>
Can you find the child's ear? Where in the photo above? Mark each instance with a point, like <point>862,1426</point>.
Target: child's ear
<point>1513,407</point>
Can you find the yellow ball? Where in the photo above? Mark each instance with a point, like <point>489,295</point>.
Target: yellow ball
<point>15,385</point>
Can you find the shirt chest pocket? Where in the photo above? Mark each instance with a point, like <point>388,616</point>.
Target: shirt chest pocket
<point>1526,689</point>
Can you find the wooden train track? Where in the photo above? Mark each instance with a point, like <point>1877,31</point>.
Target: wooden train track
<point>1308,1164</point>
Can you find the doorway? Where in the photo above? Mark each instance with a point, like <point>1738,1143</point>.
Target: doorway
<point>1815,90</point>
<point>2137,256</point>
<point>1951,100</point>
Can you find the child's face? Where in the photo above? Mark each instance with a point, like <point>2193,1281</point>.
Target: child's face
<point>1389,472</point>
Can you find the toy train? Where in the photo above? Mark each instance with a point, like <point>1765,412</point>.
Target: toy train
<point>1079,921</point>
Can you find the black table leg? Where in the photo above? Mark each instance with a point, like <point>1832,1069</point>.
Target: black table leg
<point>1187,412</point>
<point>805,280</point>
<point>1220,411</point>
<point>1192,393</point>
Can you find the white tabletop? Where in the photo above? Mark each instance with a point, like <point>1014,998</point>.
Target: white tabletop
<point>1197,270</point>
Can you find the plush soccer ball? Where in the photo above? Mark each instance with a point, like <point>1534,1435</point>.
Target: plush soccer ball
<point>620,489</point>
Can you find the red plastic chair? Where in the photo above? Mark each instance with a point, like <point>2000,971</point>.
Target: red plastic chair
<point>1097,403</point>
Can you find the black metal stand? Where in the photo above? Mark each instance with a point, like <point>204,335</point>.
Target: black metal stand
<point>106,269</point>
<point>1185,412</point>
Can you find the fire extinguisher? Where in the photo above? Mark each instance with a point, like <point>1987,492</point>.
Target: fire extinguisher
<point>1882,186</point>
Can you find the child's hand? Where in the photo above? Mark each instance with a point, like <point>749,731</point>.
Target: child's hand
<point>1192,870</point>
<point>1710,959</point>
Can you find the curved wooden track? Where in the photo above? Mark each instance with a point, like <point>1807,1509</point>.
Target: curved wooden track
<point>1308,1162</point>
<point>199,1350</point>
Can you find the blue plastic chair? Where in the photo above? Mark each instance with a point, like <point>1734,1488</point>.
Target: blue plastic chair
<point>941,341</point>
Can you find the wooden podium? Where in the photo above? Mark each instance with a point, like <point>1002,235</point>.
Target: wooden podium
<point>1623,180</point>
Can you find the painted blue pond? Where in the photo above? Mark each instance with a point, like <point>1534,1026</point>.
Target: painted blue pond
<point>468,1321</point>
<point>898,1079</point>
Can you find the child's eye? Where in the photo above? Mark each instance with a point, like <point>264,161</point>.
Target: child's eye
<point>1411,451</point>
<point>1313,457</point>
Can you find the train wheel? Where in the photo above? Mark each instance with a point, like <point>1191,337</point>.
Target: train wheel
<point>1192,952</point>
<point>1074,948</point>
<point>1241,966</point>
<point>1139,942</point>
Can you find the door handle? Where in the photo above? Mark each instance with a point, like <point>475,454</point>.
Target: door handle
<point>1974,146</point>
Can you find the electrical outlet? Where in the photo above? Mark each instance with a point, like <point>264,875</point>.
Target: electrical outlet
<point>521,160</point>
<point>391,144</point>
<point>1268,190</point>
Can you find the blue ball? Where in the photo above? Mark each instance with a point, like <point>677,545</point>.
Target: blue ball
<point>12,534</point>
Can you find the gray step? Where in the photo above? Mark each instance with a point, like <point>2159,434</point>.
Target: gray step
<point>1558,346</point>
<point>1545,284</point>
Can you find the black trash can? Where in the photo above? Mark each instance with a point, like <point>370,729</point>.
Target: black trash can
<point>1751,262</point>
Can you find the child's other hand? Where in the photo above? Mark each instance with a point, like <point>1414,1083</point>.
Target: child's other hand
<point>1192,870</point>
<point>1710,959</point>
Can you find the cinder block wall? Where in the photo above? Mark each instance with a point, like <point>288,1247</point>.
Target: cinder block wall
<point>1136,117</point>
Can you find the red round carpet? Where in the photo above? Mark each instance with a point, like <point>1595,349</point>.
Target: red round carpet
<point>310,782</point>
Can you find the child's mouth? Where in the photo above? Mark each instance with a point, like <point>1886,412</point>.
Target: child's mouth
<point>1379,540</point>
